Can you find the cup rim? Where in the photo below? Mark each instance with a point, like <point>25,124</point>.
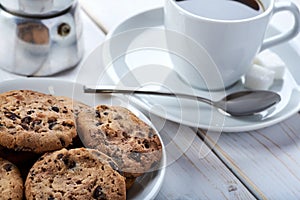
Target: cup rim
<point>191,15</point>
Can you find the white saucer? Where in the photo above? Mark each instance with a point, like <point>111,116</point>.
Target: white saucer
<point>156,73</point>
<point>146,186</point>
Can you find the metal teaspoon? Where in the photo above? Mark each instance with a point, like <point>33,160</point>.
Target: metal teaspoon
<point>242,103</point>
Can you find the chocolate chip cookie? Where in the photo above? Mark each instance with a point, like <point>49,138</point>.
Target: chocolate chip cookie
<point>11,183</point>
<point>74,105</point>
<point>74,174</point>
<point>35,122</point>
<point>117,132</point>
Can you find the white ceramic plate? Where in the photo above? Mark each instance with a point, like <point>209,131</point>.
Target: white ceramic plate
<point>145,187</point>
<point>124,45</point>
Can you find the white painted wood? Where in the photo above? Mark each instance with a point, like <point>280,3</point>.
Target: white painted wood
<point>193,171</point>
<point>109,13</point>
<point>267,161</point>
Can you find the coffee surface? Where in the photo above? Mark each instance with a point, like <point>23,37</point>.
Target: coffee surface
<point>223,9</point>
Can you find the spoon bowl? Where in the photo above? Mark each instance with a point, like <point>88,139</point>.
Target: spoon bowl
<point>242,103</point>
<point>246,103</point>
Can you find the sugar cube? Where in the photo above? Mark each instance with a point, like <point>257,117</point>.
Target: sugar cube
<point>272,61</point>
<point>259,78</point>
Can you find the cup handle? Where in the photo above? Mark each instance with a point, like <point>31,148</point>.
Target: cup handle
<point>283,37</point>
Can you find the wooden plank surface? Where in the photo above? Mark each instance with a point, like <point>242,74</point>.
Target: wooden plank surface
<point>109,13</point>
<point>267,160</point>
<point>193,171</point>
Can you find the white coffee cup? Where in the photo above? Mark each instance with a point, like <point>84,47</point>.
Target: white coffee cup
<point>231,44</point>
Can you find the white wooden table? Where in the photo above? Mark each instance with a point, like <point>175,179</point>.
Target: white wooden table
<point>263,164</point>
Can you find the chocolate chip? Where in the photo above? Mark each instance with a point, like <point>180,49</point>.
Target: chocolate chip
<point>68,124</point>
<point>62,141</point>
<point>146,144</point>
<point>25,127</point>
<point>69,163</point>
<point>59,156</point>
<point>98,194</point>
<point>11,115</point>
<point>7,167</point>
<point>51,120</point>
<point>51,125</point>
<point>99,124</point>
<point>55,109</point>
<point>36,122</point>
<point>104,107</point>
<point>26,120</point>
<point>30,112</point>
<point>71,197</point>
<point>135,156</point>
<point>32,174</point>
<point>105,113</point>
<point>125,135</point>
<point>51,198</point>
<point>98,115</point>
<point>41,158</point>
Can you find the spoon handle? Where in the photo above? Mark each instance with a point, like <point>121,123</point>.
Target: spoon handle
<point>131,90</point>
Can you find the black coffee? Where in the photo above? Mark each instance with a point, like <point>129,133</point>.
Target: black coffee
<point>223,9</point>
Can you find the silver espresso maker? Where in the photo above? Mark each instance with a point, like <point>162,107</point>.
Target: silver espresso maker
<point>40,37</point>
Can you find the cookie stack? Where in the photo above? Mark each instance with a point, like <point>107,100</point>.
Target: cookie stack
<point>68,150</point>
